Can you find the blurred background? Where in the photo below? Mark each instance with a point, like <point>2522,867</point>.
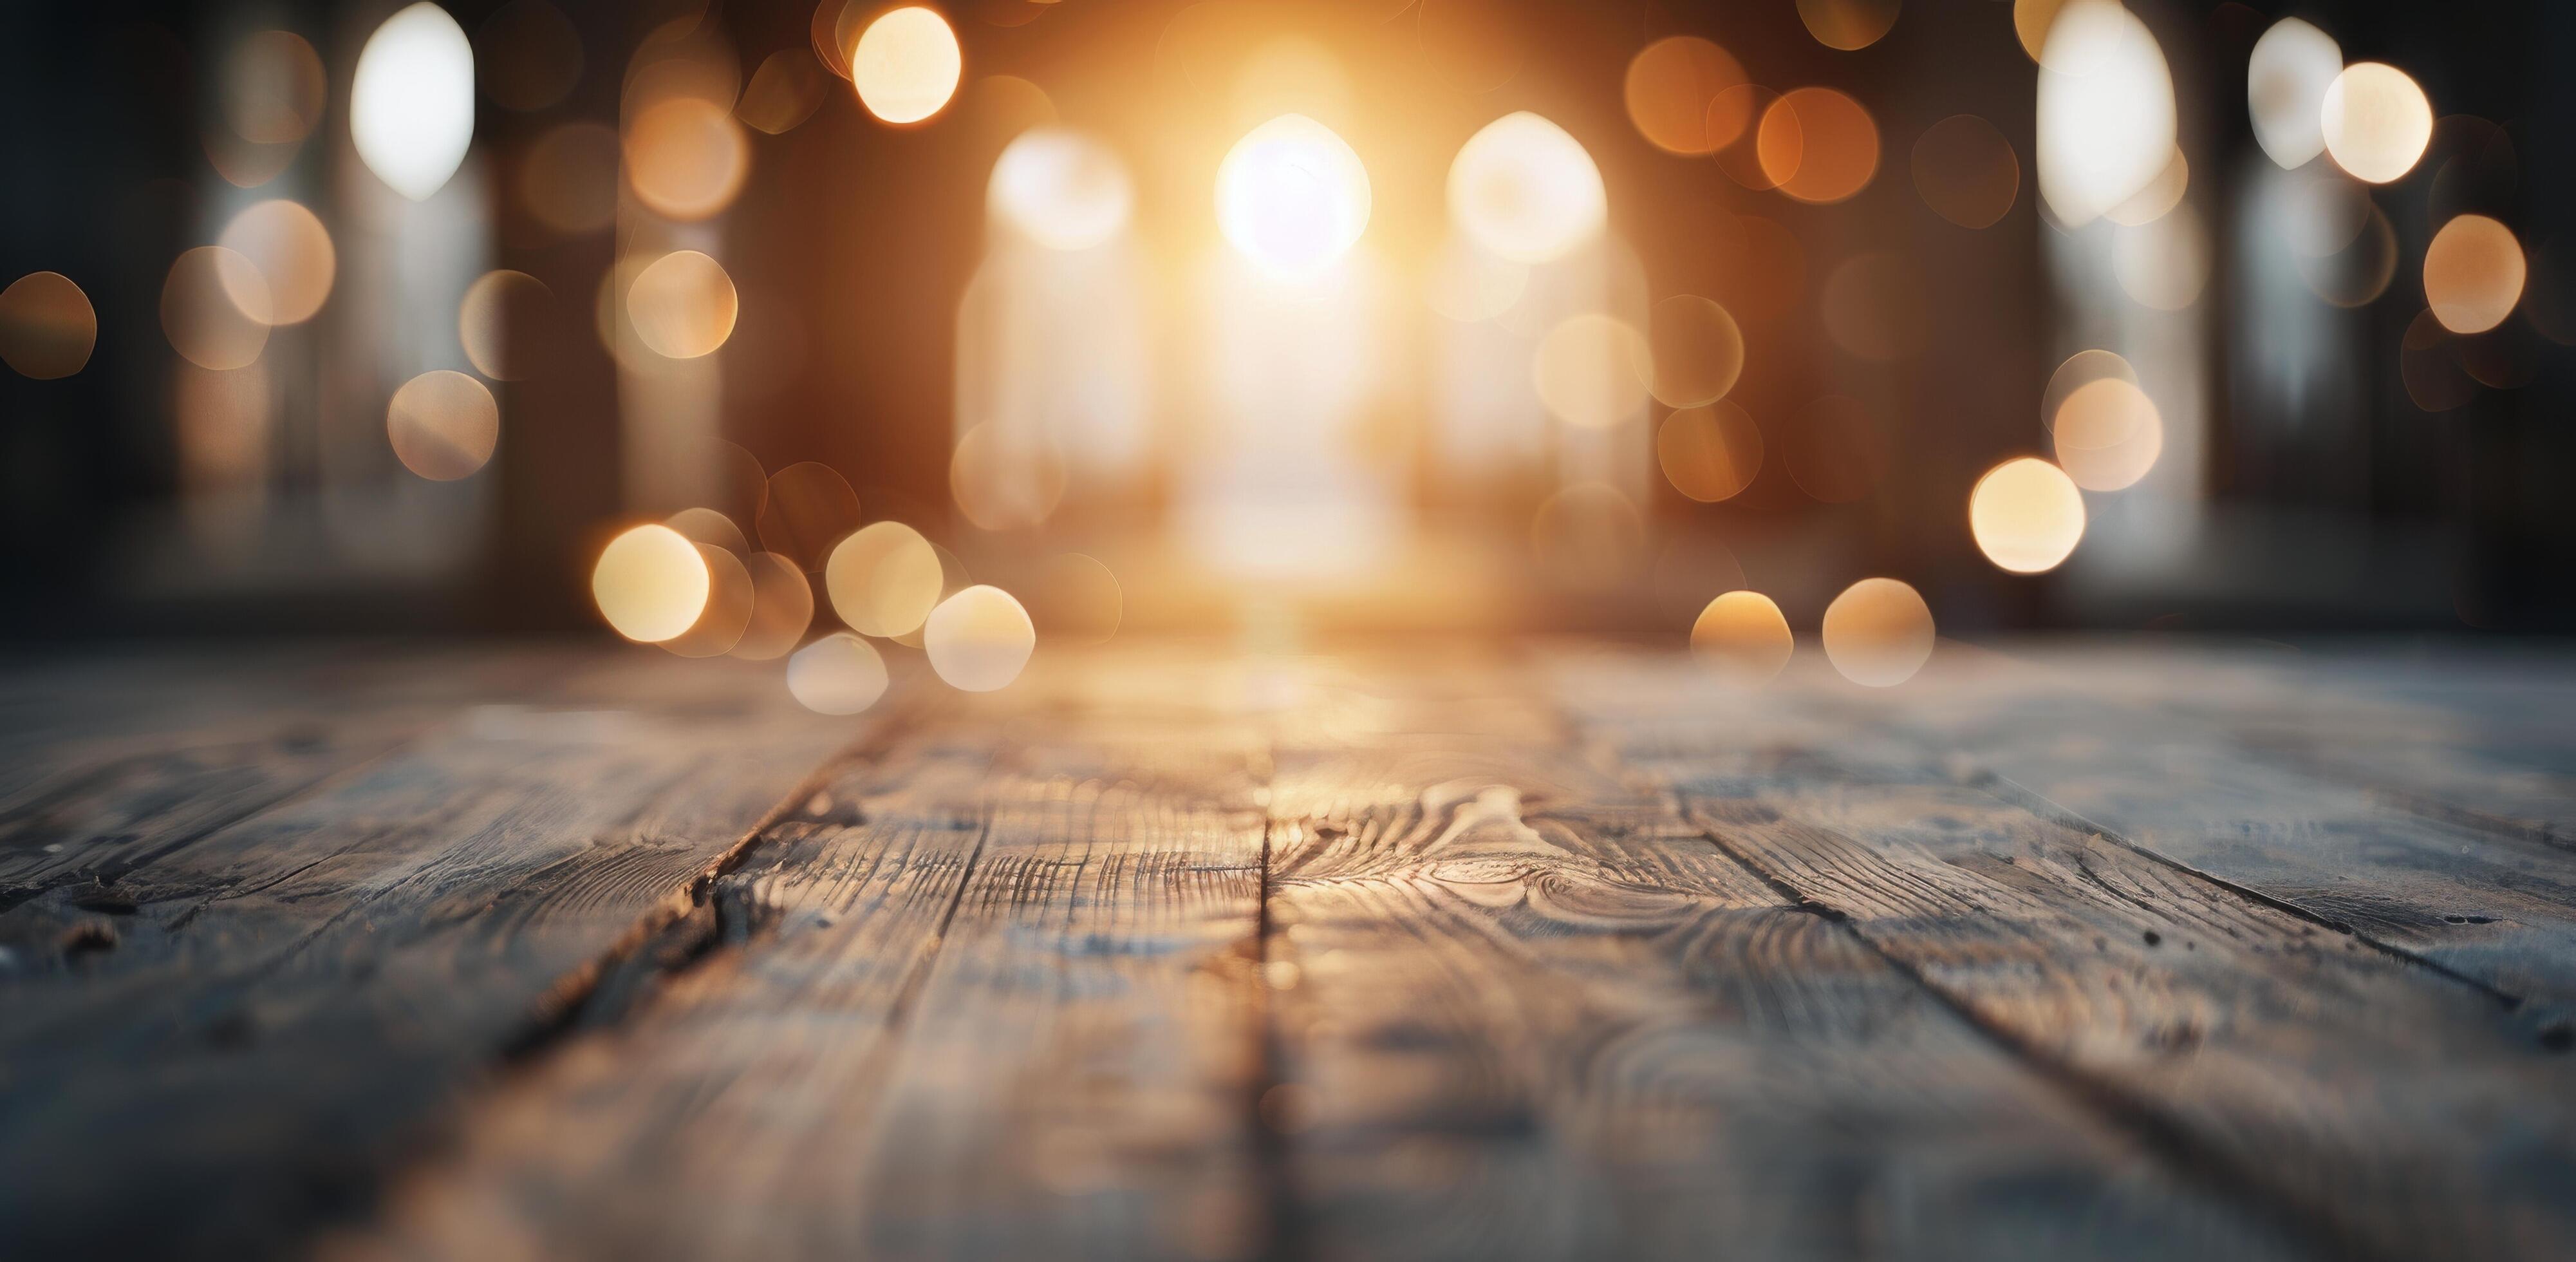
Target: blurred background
<point>1364,314</point>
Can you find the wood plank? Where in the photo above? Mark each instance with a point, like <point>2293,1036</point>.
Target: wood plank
<point>290,996</point>
<point>1529,1013</point>
<point>1003,1005</point>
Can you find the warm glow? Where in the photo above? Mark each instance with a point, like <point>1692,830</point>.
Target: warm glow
<point>2158,198</point>
<point>651,583</point>
<point>906,65</point>
<point>1292,197</point>
<point>1591,370</point>
<point>47,326</point>
<point>1966,171</point>
<point>1709,453</point>
<point>2473,274</point>
<point>809,506</point>
<point>1697,351</point>
<point>1003,481</point>
<point>1743,636</point>
<point>1525,190</point>
<point>2106,110</point>
<point>292,251</point>
<point>838,674</point>
<point>2026,515</point>
<point>215,308</point>
<point>727,614</point>
<point>2285,90</point>
<point>1077,600</point>
<point>1060,188</point>
<point>1817,145</point>
<point>683,305</point>
<point>411,102</point>
<point>1466,284</point>
<point>1847,24</point>
<point>782,606</point>
<point>686,157</point>
<point>979,639</point>
<point>273,88</point>
<point>2376,121</point>
<point>2108,434</point>
<point>784,92</point>
<point>443,425</point>
<point>883,580</point>
<point>1669,88</point>
<point>497,303</point>
<point>1878,632</point>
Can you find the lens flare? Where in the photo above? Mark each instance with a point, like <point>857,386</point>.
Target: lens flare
<point>2026,515</point>
<point>1526,190</point>
<point>651,583</point>
<point>1743,637</point>
<point>1292,197</point>
<point>979,639</point>
<point>411,100</point>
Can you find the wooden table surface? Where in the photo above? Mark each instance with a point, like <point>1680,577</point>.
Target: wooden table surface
<point>1545,950</point>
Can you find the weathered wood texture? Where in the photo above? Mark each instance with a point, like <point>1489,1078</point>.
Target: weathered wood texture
<point>1167,951</point>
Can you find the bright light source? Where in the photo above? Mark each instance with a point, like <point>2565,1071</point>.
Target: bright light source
<point>2026,515</point>
<point>906,65</point>
<point>651,583</point>
<point>2285,90</point>
<point>2473,274</point>
<point>2106,110</point>
<point>1743,637</point>
<point>838,674</point>
<point>2376,121</point>
<point>1526,190</point>
<point>1060,188</point>
<point>1292,196</point>
<point>411,104</point>
<point>979,639</point>
<point>1878,632</point>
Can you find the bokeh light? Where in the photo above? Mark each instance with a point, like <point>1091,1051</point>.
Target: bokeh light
<point>1292,197</point>
<point>2164,264</point>
<point>2026,515</point>
<point>2286,79</point>
<point>686,157</point>
<point>1466,284</point>
<point>1848,24</point>
<point>1076,600</point>
<point>837,674</point>
<point>443,425</point>
<point>709,527</point>
<point>2031,20</point>
<point>568,178</point>
<point>1875,307</point>
<point>1878,632</point>
<point>1591,370</point>
<point>1005,482</point>
<point>1734,126</point>
<point>530,55</point>
<point>727,612</point>
<point>1696,350</point>
<point>784,92</point>
<point>1709,453</point>
<point>906,65</point>
<point>215,308</point>
<point>1525,190</point>
<point>2473,274</point>
<point>1837,451</point>
<point>683,305</point>
<point>979,639</point>
<point>651,583</point>
<point>2158,198</point>
<point>273,88</point>
<point>2108,434</point>
<point>808,508</point>
<point>883,580</point>
<point>411,101</point>
<point>1669,87</point>
<point>1743,637</point>
<point>2080,369</point>
<point>1817,145</point>
<point>1966,172</point>
<point>293,254</point>
<point>2106,110</point>
<point>47,326</point>
<point>495,304</point>
<point>782,606</point>
<point>1060,188</point>
<point>2376,121</point>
